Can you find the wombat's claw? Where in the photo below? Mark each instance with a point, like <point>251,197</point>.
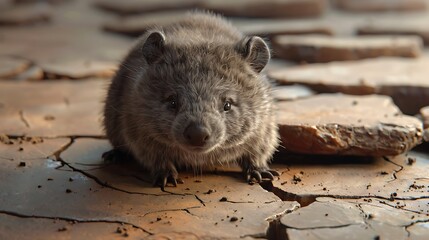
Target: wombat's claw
<point>258,175</point>
<point>273,172</point>
<point>111,156</point>
<point>162,179</point>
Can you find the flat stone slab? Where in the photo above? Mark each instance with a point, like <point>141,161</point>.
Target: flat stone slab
<point>398,27</point>
<point>25,15</point>
<point>69,182</point>
<point>21,69</point>
<point>33,73</point>
<point>292,92</point>
<point>79,69</point>
<point>269,9</point>
<point>329,218</point>
<point>52,108</point>
<point>274,27</point>
<point>381,5</point>
<point>239,8</point>
<point>138,24</point>
<point>316,49</point>
<point>10,67</point>
<point>135,25</point>
<point>56,43</point>
<point>347,125</point>
<point>406,81</point>
<point>137,6</point>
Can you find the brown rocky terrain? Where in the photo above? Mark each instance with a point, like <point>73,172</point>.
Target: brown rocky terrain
<point>352,163</point>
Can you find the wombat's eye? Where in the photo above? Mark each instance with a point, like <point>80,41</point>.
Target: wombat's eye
<point>227,106</point>
<point>173,104</point>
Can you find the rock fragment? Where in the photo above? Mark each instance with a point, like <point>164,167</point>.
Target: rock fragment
<point>137,25</point>
<point>271,28</point>
<point>425,114</point>
<point>380,5</point>
<point>54,2</point>
<point>25,15</point>
<point>347,125</point>
<point>269,9</point>
<point>137,6</point>
<point>79,69</point>
<point>317,49</point>
<point>10,67</point>
<point>340,214</point>
<point>33,73</point>
<point>346,216</point>
<point>396,28</point>
<point>406,81</point>
<point>286,93</point>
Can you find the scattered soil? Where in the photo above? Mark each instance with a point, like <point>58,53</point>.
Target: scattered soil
<point>63,229</point>
<point>411,160</point>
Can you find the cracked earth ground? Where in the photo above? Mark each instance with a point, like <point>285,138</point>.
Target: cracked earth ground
<point>54,184</point>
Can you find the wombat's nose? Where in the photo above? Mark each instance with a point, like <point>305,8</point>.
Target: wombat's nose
<point>196,135</point>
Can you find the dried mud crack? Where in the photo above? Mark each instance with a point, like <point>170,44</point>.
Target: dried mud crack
<point>57,156</point>
<point>186,210</point>
<point>74,219</point>
<point>395,171</point>
<point>413,223</point>
<point>23,119</point>
<point>307,199</point>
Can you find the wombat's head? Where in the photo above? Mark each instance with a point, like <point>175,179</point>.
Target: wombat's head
<point>202,97</point>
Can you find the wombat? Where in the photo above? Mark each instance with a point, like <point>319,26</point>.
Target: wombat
<point>192,94</point>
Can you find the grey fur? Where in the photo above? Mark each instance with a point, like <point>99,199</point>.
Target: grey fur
<point>200,62</point>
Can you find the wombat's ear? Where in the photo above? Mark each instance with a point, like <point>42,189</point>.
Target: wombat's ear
<point>255,51</point>
<point>154,46</point>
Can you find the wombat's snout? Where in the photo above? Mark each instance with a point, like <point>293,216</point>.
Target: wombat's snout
<point>196,135</point>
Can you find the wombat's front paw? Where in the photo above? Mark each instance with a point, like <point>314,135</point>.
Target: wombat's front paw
<point>112,156</point>
<point>257,175</point>
<point>163,177</point>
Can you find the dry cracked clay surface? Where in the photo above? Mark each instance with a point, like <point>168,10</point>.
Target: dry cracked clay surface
<point>54,184</point>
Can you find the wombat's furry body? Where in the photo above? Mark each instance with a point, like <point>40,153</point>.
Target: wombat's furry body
<point>191,94</point>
